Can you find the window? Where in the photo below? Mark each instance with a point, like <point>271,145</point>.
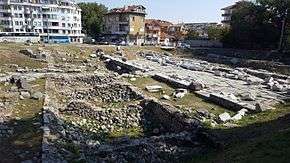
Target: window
<point>63,24</point>
<point>54,23</point>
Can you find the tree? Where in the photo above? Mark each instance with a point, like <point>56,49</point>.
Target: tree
<point>252,27</point>
<point>280,15</point>
<point>216,32</point>
<point>92,18</point>
<point>192,35</point>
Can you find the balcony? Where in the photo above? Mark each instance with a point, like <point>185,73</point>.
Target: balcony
<point>226,15</point>
<point>226,21</point>
<point>5,10</point>
<point>4,2</point>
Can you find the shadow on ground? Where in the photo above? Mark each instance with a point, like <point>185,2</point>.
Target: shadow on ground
<point>259,142</point>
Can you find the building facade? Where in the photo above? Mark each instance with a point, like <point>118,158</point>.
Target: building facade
<point>228,12</point>
<point>177,32</point>
<point>156,31</point>
<point>126,24</point>
<point>49,18</point>
<point>200,28</point>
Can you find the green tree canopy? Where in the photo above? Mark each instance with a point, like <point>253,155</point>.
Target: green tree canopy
<point>216,33</point>
<point>92,18</point>
<point>192,35</point>
<point>254,26</point>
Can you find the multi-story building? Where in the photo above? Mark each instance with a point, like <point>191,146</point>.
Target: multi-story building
<point>228,12</point>
<point>156,31</point>
<point>200,28</point>
<point>177,32</point>
<point>126,24</point>
<point>47,17</point>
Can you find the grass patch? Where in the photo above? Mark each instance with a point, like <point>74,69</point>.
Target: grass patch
<point>91,127</point>
<point>27,134</point>
<point>266,116</point>
<point>189,101</point>
<point>74,149</point>
<point>5,87</point>
<point>264,137</point>
<point>272,148</point>
<point>10,55</point>
<point>134,132</point>
<point>28,108</point>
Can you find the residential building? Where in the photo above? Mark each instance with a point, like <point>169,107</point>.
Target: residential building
<point>126,24</point>
<point>177,32</point>
<point>49,18</point>
<point>228,12</point>
<point>156,31</point>
<point>200,28</point>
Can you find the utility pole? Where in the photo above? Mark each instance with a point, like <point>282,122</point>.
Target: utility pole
<point>283,29</point>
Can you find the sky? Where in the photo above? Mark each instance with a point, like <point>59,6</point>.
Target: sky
<point>176,11</point>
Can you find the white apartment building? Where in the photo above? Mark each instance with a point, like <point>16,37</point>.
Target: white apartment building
<point>49,18</point>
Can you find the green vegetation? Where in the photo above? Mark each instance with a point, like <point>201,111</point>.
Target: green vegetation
<point>270,148</point>
<point>27,135</point>
<point>192,35</point>
<point>73,148</point>
<point>91,127</point>
<point>189,101</point>
<point>71,53</point>
<point>253,21</point>
<point>134,132</point>
<point>263,137</point>
<point>216,33</point>
<point>10,55</point>
<point>92,18</point>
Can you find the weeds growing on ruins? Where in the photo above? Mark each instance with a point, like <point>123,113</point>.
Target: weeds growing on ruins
<point>137,89</point>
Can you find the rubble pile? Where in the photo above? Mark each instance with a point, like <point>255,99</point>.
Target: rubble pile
<point>41,55</point>
<point>232,88</point>
<point>88,122</point>
<point>106,119</point>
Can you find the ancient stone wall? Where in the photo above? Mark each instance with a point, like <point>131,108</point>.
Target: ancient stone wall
<point>107,118</point>
<point>169,117</point>
<point>113,92</point>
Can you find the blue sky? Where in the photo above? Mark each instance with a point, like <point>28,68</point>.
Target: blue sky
<point>176,10</point>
